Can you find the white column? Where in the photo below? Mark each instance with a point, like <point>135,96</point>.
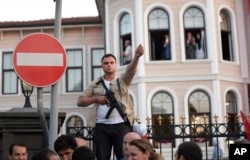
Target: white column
<point>139,39</point>
<point>106,27</point>
<point>211,35</point>
<point>242,39</point>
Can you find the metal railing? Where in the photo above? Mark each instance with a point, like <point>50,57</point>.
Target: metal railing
<point>174,134</point>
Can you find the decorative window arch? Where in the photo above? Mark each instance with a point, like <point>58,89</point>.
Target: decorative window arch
<point>231,108</point>
<point>199,102</point>
<point>159,31</point>
<point>231,102</point>
<point>162,103</point>
<point>162,107</point>
<point>74,125</point>
<point>226,36</point>
<point>195,37</point>
<point>125,37</point>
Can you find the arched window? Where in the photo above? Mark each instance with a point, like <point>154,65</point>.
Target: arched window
<point>162,108</point>
<point>74,125</point>
<point>199,102</point>
<point>231,102</point>
<point>158,24</point>
<point>125,39</point>
<point>199,113</point>
<point>226,36</point>
<point>195,37</point>
<point>231,107</point>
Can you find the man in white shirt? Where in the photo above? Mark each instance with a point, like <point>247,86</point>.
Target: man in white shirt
<point>110,130</point>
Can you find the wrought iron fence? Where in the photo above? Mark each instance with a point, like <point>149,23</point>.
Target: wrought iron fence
<point>161,134</point>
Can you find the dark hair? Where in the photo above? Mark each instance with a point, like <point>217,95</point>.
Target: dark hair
<point>64,142</point>
<point>44,154</point>
<point>190,151</point>
<point>15,144</point>
<point>108,55</point>
<point>83,153</point>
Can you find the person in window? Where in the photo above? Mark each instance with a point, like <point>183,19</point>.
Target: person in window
<point>190,46</point>
<point>200,45</point>
<point>166,48</point>
<point>127,54</point>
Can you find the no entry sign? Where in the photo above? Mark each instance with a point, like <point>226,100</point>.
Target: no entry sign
<point>39,60</point>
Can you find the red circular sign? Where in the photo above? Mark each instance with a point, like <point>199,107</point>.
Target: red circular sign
<point>39,60</point>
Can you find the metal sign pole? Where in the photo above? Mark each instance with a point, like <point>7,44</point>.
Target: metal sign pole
<point>42,116</point>
<point>54,89</point>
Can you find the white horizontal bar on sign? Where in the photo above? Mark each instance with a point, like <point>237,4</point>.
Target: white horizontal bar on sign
<point>39,59</point>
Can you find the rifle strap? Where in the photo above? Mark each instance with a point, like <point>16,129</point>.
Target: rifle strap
<point>104,85</point>
<point>119,87</point>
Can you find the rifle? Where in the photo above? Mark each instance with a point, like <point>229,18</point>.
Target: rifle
<point>113,103</point>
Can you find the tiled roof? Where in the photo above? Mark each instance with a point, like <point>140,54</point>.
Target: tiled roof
<point>50,22</point>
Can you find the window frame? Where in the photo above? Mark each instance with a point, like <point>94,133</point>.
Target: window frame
<point>156,40</point>
<point>80,67</point>
<point>227,48</point>
<point>10,70</point>
<point>93,67</point>
<point>124,35</point>
<point>193,27</point>
<point>201,118</point>
<point>164,117</point>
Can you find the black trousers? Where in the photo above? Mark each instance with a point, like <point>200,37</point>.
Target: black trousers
<point>108,135</point>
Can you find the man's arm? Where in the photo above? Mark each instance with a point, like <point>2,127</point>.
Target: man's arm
<point>138,53</point>
<point>130,72</point>
<point>84,101</point>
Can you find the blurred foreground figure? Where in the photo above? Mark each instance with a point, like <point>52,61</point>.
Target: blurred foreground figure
<point>83,153</point>
<point>189,151</point>
<point>45,154</point>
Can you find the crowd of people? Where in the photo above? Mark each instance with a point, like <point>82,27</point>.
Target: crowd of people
<point>135,147</point>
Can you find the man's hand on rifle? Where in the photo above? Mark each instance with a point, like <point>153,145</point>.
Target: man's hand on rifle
<point>101,100</point>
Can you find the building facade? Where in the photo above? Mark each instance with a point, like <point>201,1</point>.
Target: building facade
<point>196,60</point>
<point>204,69</point>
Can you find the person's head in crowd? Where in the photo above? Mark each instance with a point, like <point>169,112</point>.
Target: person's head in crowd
<point>141,149</point>
<point>18,152</point>
<point>127,139</point>
<point>64,146</point>
<point>45,154</point>
<point>83,153</point>
<point>188,151</point>
<point>80,141</point>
